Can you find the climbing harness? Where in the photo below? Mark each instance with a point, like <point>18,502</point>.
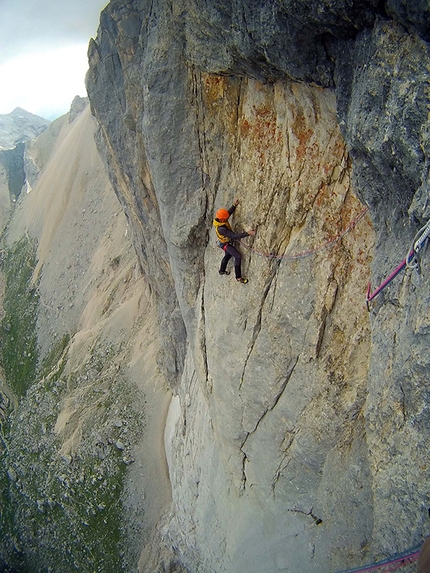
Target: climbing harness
<point>322,247</point>
<point>223,241</point>
<point>410,261</point>
<point>391,563</point>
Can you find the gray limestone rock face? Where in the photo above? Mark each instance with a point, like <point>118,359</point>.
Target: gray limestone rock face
<point>297,435</point>
<point>128,157</point>
<point>267,40</point>
<point>286,356</point>
<point>382,103</point>
<point>415,16</point>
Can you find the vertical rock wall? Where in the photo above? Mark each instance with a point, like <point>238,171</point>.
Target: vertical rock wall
<point>383,103</point>
<point>281,363</point>
<point>297,434</point>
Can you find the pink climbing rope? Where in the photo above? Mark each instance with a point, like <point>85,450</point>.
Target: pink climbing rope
<point>389,565</point>
<point>370,296</point>
<point>394,565</point>
<point>325,245</point>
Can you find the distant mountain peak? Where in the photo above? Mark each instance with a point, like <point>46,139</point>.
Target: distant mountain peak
<point>20,125</point>
<point>19,110</point>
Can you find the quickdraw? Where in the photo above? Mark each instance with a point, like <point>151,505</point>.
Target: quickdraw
<point>410,261</point>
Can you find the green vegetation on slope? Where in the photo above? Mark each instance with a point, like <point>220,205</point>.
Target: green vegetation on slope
<point>60,506</point>
<point>18,341</point>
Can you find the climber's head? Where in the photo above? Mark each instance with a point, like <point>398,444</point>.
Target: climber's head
<point>222,215</point>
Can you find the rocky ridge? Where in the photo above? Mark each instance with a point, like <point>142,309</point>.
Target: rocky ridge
<point>82,400</point>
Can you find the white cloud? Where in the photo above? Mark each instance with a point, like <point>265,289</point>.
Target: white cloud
<point>44,82</point>
<point>24,23</point>
<point>43,53</point>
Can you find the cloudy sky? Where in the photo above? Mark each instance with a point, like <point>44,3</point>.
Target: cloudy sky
<point>43,53</point>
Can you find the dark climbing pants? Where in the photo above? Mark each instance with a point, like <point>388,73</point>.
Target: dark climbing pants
<point>231,251</point>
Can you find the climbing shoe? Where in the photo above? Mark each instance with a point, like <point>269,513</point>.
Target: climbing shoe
<point>244,281</point>
<point>224,272</point>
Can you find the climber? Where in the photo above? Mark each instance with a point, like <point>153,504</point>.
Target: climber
<point>226,236</point>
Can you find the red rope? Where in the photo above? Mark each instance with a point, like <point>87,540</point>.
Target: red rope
<point>325,245</point>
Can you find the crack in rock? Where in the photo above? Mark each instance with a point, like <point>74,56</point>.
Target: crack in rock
<point>257,326</point>
<point>310,513</point>
<point>266,411</point>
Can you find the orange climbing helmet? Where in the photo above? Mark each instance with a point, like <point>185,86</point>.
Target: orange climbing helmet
<point>222,214</point>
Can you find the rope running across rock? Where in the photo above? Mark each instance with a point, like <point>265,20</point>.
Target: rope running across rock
<point>390,564</point>
<point>310,252</point>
